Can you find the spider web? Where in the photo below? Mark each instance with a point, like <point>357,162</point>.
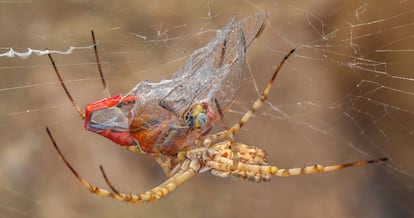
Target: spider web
<point>347,94</point>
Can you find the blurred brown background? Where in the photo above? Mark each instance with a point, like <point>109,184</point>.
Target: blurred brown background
<point>347,94</point>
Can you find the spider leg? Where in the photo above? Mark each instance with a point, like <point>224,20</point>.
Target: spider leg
<point>260,172</point>
<point>188,169</point>
<point>256,105</point>
<point>74,104</point>
<point>114,190</point>
<point>98,63</point>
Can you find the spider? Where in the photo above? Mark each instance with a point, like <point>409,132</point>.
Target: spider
<point>217,153</point>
